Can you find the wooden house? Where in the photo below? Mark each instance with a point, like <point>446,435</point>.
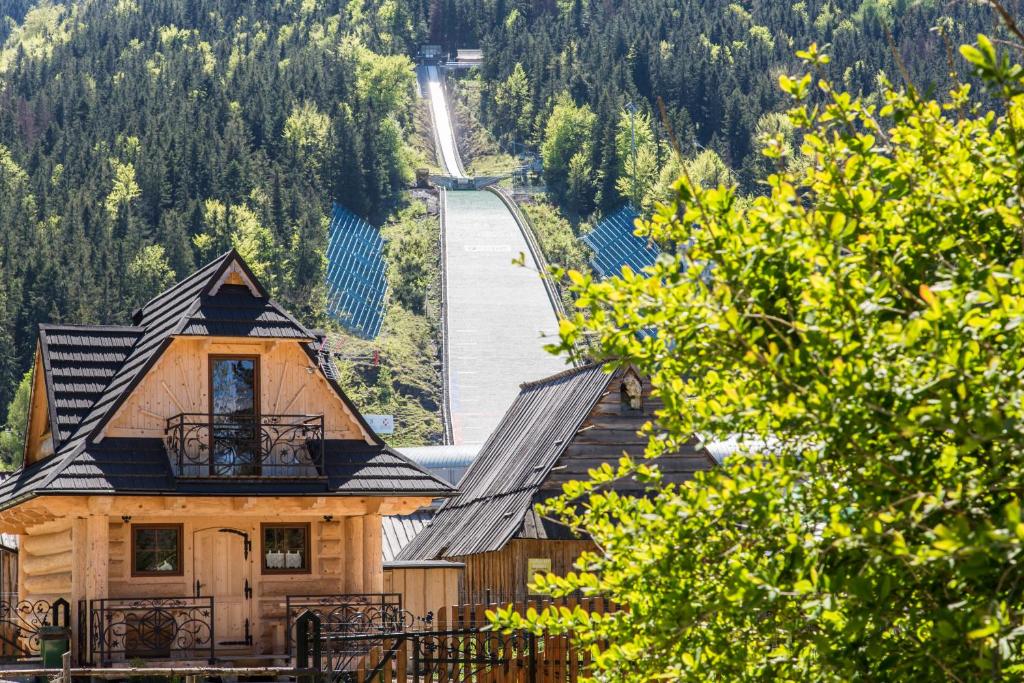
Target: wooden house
<point>556,430</point>
<point>194,478</point>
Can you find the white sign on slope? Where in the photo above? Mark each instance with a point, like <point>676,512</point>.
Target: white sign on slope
<point>382,424</point>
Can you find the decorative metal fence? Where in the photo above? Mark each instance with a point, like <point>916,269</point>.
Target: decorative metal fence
<point>204,445</point>
<point>463,649</point>
<point>20,621</point>
<point>148,628</point>
<point>351,613</point>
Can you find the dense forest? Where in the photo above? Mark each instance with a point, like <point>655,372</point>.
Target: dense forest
<point>138,139</point>
<point>558,75</point>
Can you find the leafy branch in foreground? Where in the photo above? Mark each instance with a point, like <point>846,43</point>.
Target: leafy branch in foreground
<point>859,330</point>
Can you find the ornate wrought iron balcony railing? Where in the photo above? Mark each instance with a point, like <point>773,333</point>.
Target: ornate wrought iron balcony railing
<point>205,445</point>
<point>146,628</point>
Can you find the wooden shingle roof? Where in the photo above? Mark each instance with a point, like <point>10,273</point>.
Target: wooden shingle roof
<point>90,371</point>
<point>498,490</point>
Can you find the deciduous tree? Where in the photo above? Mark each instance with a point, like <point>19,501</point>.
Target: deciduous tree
<point>856,333</point>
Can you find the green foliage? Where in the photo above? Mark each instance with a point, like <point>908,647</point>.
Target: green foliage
<point>192,125</point>
<point>638,157</point>
<point>512,103</point>
<point>412,253</point>
<point>149,273</point>
<point>858,332</point>
<point>12,436</point>
<point>558,240</point>
<point>406,384</point>
<point>236,227</point>
<point>569,132</point>
<point>308,133</point>
<point>712,64</point>
<point>125,189</point>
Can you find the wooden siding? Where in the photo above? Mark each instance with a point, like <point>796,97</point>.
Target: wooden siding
<point>424,589</point>
<point>502,575</point>
<point>290,383</point>
<point>39,440</point>
<point>610,430</point>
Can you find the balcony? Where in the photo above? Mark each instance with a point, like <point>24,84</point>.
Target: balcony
<point>203,445</point>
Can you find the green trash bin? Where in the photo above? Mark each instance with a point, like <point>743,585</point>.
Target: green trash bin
<point>54,641</point>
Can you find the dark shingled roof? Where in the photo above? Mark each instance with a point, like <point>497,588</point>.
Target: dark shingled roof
<point>90,371</point>
<point>78,362</point>
<point>497,492</point>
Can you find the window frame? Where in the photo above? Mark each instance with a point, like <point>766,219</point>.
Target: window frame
<point>179,528</point>
<point>308,549</point>
<point>211,361</point>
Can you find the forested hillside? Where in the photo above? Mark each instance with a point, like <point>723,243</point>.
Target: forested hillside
<point>138,139</point>
<point>557,75</point>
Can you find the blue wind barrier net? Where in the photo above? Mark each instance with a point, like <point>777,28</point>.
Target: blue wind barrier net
<point>356,279</point>
<point>615,245</point>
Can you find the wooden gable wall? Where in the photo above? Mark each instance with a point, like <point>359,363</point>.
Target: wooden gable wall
<point>38,437</point>
<point>290,383</point>
<point>610,429</point>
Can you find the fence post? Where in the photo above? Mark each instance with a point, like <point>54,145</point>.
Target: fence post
<point>532,665</point>
<point>415,659</point>
<point>307,637</point>
<point>61,607</point>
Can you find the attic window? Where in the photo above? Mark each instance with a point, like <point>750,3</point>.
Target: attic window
<point>631,393</point>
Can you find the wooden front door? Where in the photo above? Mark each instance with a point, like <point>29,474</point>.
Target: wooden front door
<point>222,562</point>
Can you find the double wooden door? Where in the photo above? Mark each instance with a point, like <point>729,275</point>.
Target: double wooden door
<point>222,565</point>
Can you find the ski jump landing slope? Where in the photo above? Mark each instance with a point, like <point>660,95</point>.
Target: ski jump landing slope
<point>497,314</point>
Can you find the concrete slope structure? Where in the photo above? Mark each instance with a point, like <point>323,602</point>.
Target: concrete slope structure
<point>444,132</point>
<point>497,313</point>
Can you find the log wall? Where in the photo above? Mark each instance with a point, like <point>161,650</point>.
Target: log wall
<point>57,560</point>
<point>45,561</point>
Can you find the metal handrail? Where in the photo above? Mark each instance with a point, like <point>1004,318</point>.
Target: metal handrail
<point>225,445</point>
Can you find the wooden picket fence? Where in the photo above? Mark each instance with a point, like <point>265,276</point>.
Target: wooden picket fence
<point>460,648</point>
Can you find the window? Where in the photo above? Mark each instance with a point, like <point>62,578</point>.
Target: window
<point>156,550</point>
<point>631,393</point>
<point>286,548</point>
<point>234,413</point>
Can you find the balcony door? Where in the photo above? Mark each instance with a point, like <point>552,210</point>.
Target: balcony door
<point>234,416</point>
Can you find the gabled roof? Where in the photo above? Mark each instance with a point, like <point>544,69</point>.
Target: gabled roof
<point>104,365</point>
<point>498,490</point>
